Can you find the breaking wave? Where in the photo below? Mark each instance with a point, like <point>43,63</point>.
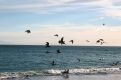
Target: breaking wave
<point>51,72</point>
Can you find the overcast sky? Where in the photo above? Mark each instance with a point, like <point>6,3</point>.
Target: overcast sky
<point>79,20</point>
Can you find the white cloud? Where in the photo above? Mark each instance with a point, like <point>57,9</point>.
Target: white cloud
<point>52,6</point>
<point>111,9</point>
<point>113,12</point>
<point>49,5</point>
<point>60,1</point>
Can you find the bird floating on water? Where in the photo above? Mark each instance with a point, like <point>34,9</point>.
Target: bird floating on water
<point>115,63</point>
<point>78,59</point>
<point>58,51</point>
<point>47,52</point>
<point>53,63</point>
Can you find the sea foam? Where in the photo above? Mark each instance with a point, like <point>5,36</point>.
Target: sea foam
<point>51,72</point>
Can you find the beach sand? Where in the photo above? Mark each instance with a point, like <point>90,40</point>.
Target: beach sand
<point>77,77</point>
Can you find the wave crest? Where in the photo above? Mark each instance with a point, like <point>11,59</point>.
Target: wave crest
<point>9,75</point>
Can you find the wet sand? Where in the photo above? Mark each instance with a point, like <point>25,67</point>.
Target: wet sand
<point>77,77</point>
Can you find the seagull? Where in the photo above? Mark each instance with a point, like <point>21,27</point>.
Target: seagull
<point>61,41</point>
<point>72,41</point>
<point>103,24</point>
<point>78,59</point>
<point>47,44</point>
<point>28,31</point>
<point>53,63</point>
<point>56,35</point>
<point>47,52</point>
<point>87,41</point>
<point>115,63</point>
<point>98,41</point>
<point>101,41</point>
<point>58,51</point>
<point>66,71</point>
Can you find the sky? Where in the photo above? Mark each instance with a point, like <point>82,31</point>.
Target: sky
<point>77,20</point>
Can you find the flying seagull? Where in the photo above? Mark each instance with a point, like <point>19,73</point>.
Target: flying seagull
<point>56,35</point>
<point>72,41</point>
<point>47,44</point>
<point>87,41</point>
<point>28,31</point>
<point>103,24</point>
<point>101,41</point>
<point>61,41</point>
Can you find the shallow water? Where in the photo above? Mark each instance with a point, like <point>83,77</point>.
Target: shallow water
<point>74,77</point>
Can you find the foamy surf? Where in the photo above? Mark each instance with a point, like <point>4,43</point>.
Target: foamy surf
<point>10,75</point>
<point>87,71</point>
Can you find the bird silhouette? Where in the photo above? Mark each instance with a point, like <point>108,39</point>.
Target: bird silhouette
<point>103,24</point>
<point>56,35</point>
<point>72,41</point>
<point>58,51</point>
<point>78,59</point>
<point>53,63</point>
<point>47,44</point>
<point>61,41</point>
<point>87,41</point>
<point>115,63</point>
<point>66,71</point>
<point>28,31</point>
<point>98,41</point>
<point>101,41</point>
<point>47,52</point>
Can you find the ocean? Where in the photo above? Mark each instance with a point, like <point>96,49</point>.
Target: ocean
<point>18,61</point>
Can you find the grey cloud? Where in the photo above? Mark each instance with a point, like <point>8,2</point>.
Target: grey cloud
<point>83,1</point>
<point>44,5</point>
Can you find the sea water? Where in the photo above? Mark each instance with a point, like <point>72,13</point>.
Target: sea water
<point>19,60</point>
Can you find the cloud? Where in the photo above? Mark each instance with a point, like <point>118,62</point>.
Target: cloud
<point>107,7</point>
<point>113,12</point>
<point>112,9</point>
<point>48,5</point>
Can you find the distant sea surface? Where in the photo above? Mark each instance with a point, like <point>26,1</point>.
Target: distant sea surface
<point>33,57</point>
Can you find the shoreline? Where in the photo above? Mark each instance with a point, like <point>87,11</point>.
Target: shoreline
<point>73,74</point>
<point>72,77</point>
